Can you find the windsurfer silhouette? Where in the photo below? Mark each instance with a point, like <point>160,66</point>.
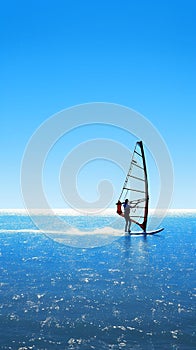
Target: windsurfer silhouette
<point>128,220</point>
<point>127,208</point>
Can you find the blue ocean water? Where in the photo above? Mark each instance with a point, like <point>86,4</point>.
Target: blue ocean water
<point>132,293</point>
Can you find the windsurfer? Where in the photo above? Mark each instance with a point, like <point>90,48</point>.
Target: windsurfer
<point>128,220</point>
<point>127,208</point>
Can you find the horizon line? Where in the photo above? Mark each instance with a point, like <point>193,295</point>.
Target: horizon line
<point>81,212</point>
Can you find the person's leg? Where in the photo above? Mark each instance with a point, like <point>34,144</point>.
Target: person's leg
<point>126,223</point>
<point>129,227</point>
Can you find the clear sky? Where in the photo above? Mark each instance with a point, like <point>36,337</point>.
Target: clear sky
<point>137,53</point>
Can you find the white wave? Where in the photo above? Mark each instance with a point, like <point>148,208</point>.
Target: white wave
<point>98,231</point>
<point>20,231</point>
<point>72,231</point>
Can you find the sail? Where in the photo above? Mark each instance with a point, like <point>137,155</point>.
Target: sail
<point>135,188</point>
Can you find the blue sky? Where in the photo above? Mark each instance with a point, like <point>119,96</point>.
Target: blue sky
<point>57,54</point>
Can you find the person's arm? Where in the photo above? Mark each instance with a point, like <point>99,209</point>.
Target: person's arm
<point>132,206</point>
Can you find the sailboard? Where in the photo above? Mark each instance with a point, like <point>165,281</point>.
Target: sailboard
<point>135,189</point>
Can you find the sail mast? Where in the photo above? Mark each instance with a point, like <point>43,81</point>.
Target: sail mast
<point>146,187</point>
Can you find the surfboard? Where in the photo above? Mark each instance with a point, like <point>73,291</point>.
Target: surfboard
<point>138,233</point>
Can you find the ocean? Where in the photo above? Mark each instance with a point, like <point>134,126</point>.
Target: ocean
<point>100,291</point>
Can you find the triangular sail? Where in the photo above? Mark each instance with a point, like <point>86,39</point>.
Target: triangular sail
<point>135,188</point>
